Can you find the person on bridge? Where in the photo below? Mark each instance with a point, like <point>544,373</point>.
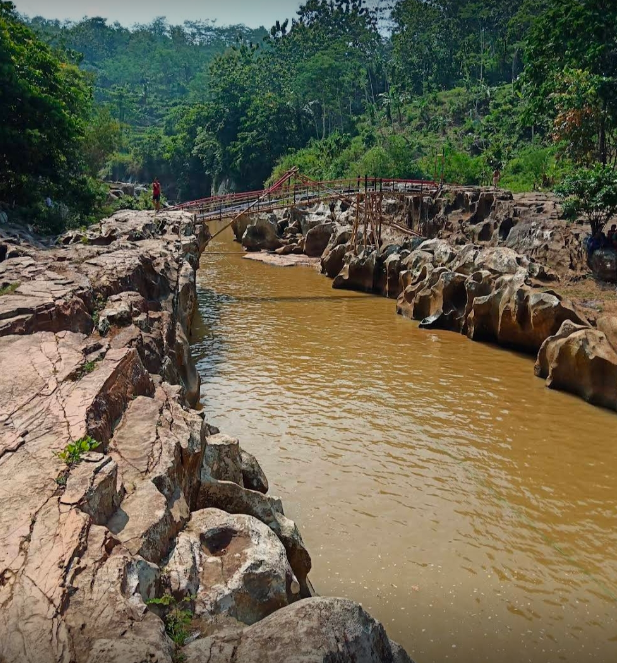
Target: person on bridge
<point>156,194</point>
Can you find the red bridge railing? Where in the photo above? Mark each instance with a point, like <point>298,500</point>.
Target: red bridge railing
<point>294,188</point>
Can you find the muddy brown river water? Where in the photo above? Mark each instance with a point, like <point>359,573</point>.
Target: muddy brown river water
<point>434,480</point>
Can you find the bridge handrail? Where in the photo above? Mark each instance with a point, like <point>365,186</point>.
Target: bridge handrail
<point>283,183</point>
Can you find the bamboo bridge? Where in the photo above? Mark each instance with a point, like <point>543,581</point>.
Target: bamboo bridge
<point>366,194</point>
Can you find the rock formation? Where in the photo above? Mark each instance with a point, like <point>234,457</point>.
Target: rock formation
<point>488,264</point>
<point>315,631</point>
<point>130,527</point>
<point>583,361</point>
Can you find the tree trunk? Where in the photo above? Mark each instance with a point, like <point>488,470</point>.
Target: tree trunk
<point>323,121</point>
<point>602,145</point>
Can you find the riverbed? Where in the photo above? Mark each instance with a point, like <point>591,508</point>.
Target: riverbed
<point>434,480</point>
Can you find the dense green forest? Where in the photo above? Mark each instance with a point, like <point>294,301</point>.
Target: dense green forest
<point>440,89</point>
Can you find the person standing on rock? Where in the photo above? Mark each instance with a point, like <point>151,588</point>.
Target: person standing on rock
<point>156,194</point>
<point>496,177</point>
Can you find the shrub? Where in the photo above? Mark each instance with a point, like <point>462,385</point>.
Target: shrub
<point>177,619</point>
<point>73,452</point>
<point>591,193</point>
<point>533,168</point>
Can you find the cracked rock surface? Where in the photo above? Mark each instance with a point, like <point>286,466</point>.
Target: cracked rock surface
<point>130,527</point>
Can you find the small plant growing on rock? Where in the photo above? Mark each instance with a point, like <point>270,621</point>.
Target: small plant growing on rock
<point>177,619</point>
<point>73,452</point>
<point>9,289</point>
<point>88,367</point>
<point>99,305</point>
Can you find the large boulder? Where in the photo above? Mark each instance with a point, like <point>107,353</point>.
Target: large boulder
<point>232,568</point>
<point>253,477</point>
<point>222,458</point>
<point>359,273</point>
<point>239,225</point>
<point>440,249</point>
<point>580,360</point>
<point>501,261</point>
<point>465,261</point>
<point>262,234</point>
<point>232,498</point>
<point>222,487</point>
<point>309,218</point>
<point>333,260</point>
<point>317,630</point>
<point>603,264</point>
<point>416,260</point>
<point>317,239</point>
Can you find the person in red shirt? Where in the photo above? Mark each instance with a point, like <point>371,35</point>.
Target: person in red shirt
<point>156,194</point>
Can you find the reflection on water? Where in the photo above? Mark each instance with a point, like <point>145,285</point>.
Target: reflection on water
<point>434,480</point>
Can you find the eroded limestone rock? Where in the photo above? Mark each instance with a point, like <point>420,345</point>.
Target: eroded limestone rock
<point>313,631</point>
<point>253,476</point>
<point>358,273</point>
<point>317,239</point>
<point>488,294</point>
<point>582,361</point>
<point>262,233</point>
<point>235,499</point>
<point>232,568</point>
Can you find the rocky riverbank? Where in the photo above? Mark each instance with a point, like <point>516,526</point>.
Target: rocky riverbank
<point>131,529</point>
<point>496,267</point>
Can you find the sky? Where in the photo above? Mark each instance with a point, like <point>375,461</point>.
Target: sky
<point>253,13</point>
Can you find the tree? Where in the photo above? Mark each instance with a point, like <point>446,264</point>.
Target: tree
<point>44,104</point>
<point>576,36</point>
<point>591,193</point>
<point>580,115</point>
<point>101,139</point>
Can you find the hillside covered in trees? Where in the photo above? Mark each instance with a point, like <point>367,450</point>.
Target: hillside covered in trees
<point>446,89</point>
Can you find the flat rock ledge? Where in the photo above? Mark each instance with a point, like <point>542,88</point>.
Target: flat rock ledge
<point>131,530</point>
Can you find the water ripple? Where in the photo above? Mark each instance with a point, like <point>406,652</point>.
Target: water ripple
<point>435,480</point>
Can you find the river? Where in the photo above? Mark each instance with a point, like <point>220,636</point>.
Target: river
<point>434,480</point>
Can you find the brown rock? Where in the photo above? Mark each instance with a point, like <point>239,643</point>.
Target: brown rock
<point>359,273</point>
<point>253,476</point>
<point>317,239</point>
<point>92,487</point>
<point>113,585</point>
<point>234,499</point>
<point>580,360</point>
<point>262,234</point>
<point>222,458</point>
<point>607,324</point>
<point>333,260</point>
<point>233,568</point>
<point>313,631</point>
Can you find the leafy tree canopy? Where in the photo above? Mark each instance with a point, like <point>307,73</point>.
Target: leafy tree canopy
<point>44,105</point>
